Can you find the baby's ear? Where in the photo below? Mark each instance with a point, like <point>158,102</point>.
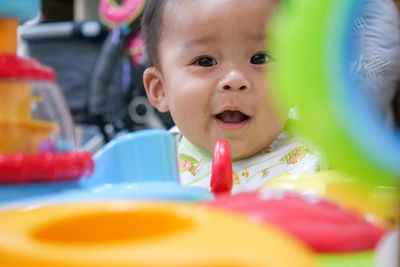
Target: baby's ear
<point>153,83</point>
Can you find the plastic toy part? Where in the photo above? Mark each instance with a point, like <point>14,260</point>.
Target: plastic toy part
<point>31,114</point>
<point>322,225</point>
<point>114,15</point>
<point>127,233</point>
<point>8,36</point>
<point>45,167</point>
<point>361,259</point>
<point>142,156</point>
<point>21,9</point>
<point>136,49</point>
<point>139,165</point>
<point>14,67</point>
<point>375,202</point>
<point>386,249</point>
<point>332,109</point>
<point>34,118</point>
<point>33,111</point>
<point>221,172</point>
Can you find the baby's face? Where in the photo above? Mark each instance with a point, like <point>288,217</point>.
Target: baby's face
<point>213,57</point>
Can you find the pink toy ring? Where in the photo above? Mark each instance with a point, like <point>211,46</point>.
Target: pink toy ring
<point>115,15</point>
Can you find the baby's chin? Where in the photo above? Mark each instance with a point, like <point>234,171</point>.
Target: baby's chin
<point>240,155</point>
<point>239,149</point>
<point>242,152</point>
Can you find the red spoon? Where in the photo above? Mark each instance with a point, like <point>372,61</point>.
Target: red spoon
<point>221,172</point>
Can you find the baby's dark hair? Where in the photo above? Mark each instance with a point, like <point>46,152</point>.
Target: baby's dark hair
<point>151,26</point>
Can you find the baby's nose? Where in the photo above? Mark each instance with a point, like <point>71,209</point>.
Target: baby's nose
<point>234,80</point>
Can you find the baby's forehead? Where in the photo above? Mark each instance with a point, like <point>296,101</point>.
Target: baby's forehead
<point>205,21</point>
<point>202,10</point>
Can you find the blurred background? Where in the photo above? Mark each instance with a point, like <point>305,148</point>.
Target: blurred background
<point>96,67</point>
<point>99,72</point>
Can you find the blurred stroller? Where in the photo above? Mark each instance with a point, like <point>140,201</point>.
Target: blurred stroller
<point>100,71</point>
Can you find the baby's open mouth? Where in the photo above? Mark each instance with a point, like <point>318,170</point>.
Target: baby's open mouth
<point>232,116</point>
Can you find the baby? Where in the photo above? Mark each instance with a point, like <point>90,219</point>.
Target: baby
<point>207,64</point>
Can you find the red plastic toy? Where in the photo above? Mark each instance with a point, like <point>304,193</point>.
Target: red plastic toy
<point>324,226</point>
<point>221,173</point>
<point>45,167</point>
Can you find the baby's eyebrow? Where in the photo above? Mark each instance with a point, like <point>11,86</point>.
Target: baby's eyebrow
<point>256,37</point>
<point>206,40</point>
<point>200,41</point>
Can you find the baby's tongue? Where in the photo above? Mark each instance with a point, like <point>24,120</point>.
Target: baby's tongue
<point>231,116</point>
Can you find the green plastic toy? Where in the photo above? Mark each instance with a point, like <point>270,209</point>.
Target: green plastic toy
<point>310,40</point>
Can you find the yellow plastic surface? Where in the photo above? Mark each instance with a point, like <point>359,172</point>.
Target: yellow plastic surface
<point>25,136</point>
<point>378,201</point>
<point>18,132</point>
<point>15,99</point>
<point>128,233</point>
<point>8,36</point>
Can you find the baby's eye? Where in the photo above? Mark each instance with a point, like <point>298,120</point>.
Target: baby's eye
<point>205,61</point>
<point>260,58</point>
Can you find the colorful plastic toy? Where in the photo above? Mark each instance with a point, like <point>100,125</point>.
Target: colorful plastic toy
<point>311,41</point>
<point>375,203</point>
<point>336,234</point>
<point>22,10</point>
<point>221,173</point>
<point>136,49</point>
<point>36,132</point>
<point>139,165</point>
<point>333,110</point>
<point>155,234</point>
<point>114,15</point>
<point>386,250</point>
